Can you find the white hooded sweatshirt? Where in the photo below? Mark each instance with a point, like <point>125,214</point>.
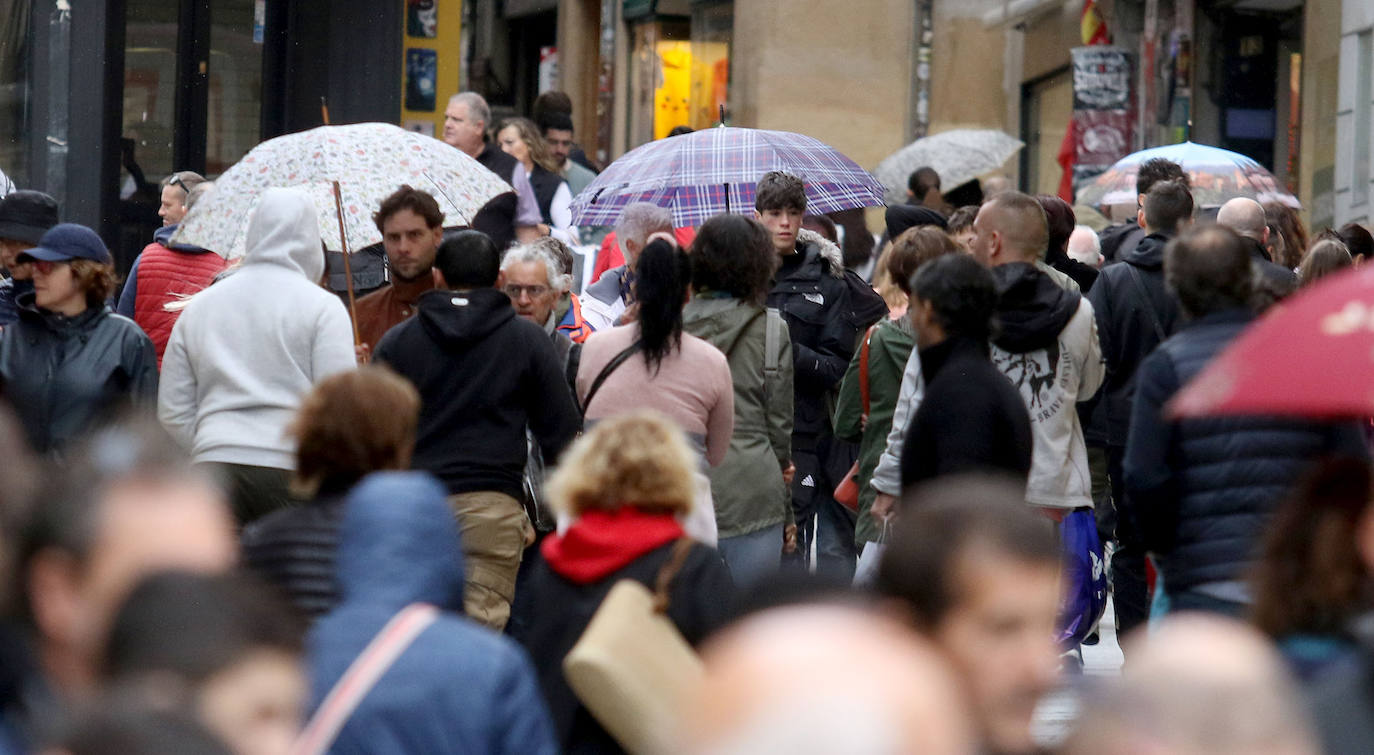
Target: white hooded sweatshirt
<point>247,349</point>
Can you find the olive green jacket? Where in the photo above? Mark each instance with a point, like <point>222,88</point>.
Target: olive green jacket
<point>747,487</point>
<point>888,348</point>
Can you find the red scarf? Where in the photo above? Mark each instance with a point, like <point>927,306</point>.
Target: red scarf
<point>601,543</point>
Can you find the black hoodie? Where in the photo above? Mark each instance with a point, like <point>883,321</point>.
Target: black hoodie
<point>1128,300</point>
<point>1032,308</point>
<point>483,375</point>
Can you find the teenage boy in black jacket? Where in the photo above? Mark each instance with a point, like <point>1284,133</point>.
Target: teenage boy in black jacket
<point>483,375</point>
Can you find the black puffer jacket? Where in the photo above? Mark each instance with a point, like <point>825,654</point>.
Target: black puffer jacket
<point>294,550</point>
<point>62,374</point>
<point>1203,490</point>
<point>826,308</point>
<point>1126,327</point>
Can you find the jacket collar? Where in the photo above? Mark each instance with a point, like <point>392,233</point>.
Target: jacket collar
<point>1224,317</point>
<point>407,292</point>
<point>953,348</point>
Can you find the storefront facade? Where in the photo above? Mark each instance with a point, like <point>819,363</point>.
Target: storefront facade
<point>104,98</point>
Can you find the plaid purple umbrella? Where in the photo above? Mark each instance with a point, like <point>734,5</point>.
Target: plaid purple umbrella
<point>715,170</point>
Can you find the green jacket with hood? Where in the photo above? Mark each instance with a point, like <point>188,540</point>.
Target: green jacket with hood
<point>888,348</point>
<point>747,487</point>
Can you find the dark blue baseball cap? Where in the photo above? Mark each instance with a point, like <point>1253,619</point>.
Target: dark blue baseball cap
<point>66,242</point>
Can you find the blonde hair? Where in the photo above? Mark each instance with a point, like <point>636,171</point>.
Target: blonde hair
<point>636,459</point>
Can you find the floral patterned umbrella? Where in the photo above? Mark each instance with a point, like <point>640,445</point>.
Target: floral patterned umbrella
<point>368,160</point>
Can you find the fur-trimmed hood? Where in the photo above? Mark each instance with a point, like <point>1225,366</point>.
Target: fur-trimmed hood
<point>828,250</point>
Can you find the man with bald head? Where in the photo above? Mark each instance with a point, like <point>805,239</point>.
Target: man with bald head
<point>1196,685</point>
<point>1047,347</point>
<point>883,690</point>
<point>1246,217</point>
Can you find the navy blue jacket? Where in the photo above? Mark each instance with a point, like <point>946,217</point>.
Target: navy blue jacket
<point>458,688</point>
<point>1202,490</point>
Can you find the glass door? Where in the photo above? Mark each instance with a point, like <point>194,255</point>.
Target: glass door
<point>235,84</point>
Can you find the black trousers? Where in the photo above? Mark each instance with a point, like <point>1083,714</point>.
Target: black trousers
<point>1130,589</point>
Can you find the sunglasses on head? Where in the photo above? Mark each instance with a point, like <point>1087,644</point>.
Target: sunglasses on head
<point>177,181</point>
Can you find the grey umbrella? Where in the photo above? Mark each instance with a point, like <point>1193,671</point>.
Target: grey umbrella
<point>958,156</point>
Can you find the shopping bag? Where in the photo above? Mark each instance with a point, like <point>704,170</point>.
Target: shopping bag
<point>631,667</point>
<point>1085,578</point>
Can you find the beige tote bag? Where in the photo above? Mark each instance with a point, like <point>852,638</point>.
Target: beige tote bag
<point>631,667</point>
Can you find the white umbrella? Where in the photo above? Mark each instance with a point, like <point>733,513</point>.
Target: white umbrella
<point>958,156</point>
<point>362,162</point>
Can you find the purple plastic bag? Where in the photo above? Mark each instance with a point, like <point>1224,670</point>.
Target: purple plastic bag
<point>1085,578</point>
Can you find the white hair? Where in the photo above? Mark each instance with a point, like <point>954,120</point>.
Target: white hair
<point>558,281</point>
<point>640,220</point>
<point>478,110</point>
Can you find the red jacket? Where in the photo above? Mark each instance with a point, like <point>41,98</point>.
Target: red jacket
<point>164,276</point>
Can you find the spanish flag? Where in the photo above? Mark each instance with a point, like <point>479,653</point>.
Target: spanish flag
<point>1091,25</point>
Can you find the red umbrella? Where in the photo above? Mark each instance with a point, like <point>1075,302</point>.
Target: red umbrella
<point>1310,356</point>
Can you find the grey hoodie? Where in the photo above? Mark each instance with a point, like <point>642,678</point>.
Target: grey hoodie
<point>246,349</point>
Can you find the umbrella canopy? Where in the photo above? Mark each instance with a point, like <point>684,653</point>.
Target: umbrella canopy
<point>369,160</point>
<point>1216,174</point>
<point>715,170</point>
<point>1311,356</point>
<point>958,156</point>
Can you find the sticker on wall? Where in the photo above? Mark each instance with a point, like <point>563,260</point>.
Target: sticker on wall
<point>422,69</point>
<point>420,127</point>
<point>422,18</point>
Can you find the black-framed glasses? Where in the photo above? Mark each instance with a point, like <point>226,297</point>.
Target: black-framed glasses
<point>177,181</point>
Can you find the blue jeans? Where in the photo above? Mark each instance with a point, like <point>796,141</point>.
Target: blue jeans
<point>754,556</point>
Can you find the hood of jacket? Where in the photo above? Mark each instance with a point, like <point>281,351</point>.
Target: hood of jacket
<point>1148,254</point>
<point>163,236</point>
<point>807,240</point>
<point>461,318</point>
<point>601,543</point>
<point>1032,308</point>
<point>719,320</point>
<point>399,544</point>
<point>285,232</point>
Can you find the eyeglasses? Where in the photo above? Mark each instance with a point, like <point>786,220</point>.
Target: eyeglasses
<point>45,267</point>
<point>177,181</point>
<point>534,292</point>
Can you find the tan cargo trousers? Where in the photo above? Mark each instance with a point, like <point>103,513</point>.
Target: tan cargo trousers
<point>493,527</point>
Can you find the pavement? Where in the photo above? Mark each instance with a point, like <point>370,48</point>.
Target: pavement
<point>1059,709</point>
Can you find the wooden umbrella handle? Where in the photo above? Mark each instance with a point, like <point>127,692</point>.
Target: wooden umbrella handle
<point>348,266</point>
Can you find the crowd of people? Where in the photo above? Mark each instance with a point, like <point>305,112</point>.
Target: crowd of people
<point>236,516</point>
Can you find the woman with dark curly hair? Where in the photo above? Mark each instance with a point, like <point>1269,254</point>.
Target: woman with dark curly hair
<point>732,267</point>
<point>1311,582</point>
<point>1289,225</point>
<point>70,360</point>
